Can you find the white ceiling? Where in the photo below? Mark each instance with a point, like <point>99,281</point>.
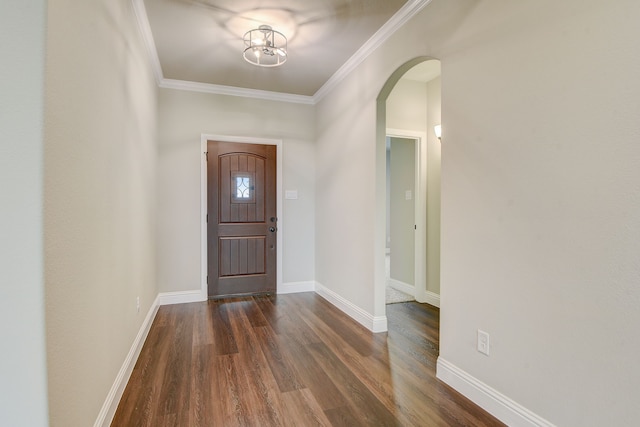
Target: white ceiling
<point>198,43</point>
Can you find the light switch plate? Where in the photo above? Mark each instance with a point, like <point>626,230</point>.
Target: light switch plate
<point>291,194</point>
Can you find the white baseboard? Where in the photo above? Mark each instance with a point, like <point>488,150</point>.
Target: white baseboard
<point>374,324</point>
<point>492,401</point>
<point>295,287</point>
<point>425,297</point>
<point>431,298</point>
<point>379,324</point>
<point>117,389</point>
<point>402,287</point>
<point>182,297</point>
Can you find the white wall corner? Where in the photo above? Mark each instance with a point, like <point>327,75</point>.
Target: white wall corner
<point>181,297</point>
<point>296,287</point>
<point>373,323</point>
<point>492,401</point>
<point>105,416</point>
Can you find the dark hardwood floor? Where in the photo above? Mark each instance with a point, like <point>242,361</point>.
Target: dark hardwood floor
<point>290,360</point>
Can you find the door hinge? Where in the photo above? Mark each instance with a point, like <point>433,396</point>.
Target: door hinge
<point>207,218</point>
<point>206,155</point>
<point>415,227</point>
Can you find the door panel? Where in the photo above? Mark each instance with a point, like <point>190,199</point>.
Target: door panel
<point>242,256</point>
<point>242,218</point>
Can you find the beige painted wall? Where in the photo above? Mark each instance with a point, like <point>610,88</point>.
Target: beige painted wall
<point>434,162</point>
<point>407,106</point>
<point>541,168</point>
<point>539,196</point>
<point>23,377</point>
<point>344,224</point>
<point>402,211</point>
<point>183,118</point>
<point>100,206</point>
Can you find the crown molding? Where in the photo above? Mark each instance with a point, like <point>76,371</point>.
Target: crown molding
<point>235,91</point>
<point>145,29</point>
<point>404,14</point>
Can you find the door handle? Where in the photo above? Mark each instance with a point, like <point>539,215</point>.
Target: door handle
<point>272,229</point>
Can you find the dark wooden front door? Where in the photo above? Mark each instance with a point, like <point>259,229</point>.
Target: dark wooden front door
<point>242,223</point>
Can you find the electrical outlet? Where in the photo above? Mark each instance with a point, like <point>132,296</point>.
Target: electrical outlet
<point>138,304</point>
<point>483,342</point>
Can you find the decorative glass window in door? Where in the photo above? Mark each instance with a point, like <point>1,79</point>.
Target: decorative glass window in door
<point>242,187</point>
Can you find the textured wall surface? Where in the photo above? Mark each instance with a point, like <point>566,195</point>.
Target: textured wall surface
<point>100,204</point>
<point>540,185</point>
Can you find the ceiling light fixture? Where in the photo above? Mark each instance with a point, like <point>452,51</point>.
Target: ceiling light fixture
<point>265,47</point>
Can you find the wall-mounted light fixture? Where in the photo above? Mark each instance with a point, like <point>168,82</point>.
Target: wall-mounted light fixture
<point>265,47</point>
<point>438,130</point>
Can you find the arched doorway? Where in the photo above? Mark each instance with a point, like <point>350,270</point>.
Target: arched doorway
<point>427,227</point>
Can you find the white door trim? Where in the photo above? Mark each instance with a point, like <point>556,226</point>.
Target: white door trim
<point>420,237</point>
<point>203,201</point>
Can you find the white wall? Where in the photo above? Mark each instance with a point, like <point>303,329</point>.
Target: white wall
<point>183,118</point>
<point>100,185</point>
<point>540,178</point>
<point>23,378</point>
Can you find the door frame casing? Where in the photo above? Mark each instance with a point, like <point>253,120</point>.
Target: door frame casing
<point>203,202</point>
<point>420,206</point>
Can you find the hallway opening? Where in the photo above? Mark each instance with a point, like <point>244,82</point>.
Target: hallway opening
<point>408,240</point>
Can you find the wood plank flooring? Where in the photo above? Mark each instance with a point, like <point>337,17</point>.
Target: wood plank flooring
<point>290,360</point>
